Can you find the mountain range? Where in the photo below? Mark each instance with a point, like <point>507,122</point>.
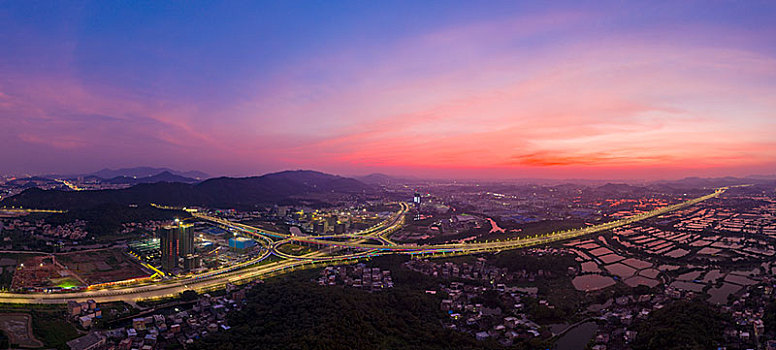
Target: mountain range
<point>164,176</point>
<point>146,172</point>
<point>215,192</point>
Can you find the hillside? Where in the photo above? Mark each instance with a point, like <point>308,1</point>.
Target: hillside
<point>146,172</point>
<point>325,317</point>
<point>164,176</point>
<point>223,191</point>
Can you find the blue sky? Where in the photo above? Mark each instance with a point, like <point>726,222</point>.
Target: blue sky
<point>493,89</point>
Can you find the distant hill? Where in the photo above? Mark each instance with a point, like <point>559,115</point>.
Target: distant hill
<point>32,179</point>
<point>165,176</point>
<point>698,182</point>
<point>762,177</point>
<point>223,191</point>
<point>383,179</point>
<point>146,172</point>
<point>619,188</point>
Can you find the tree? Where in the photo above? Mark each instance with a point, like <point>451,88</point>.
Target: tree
<point>683,325</point>
<point>189,295</point>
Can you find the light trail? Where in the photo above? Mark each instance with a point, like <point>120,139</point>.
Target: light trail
<point>252,269</point>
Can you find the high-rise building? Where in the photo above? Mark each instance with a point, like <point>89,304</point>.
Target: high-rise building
<point>320,227</point>
<point>417,201</point>
<point>186,237</point>
<point>169,248</point>
<point>191,262</point>
<point>177,241</point>
<point>331,221</point>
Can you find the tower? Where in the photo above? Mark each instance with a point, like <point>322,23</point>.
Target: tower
<point>417,201</point>
<point>177,241</point>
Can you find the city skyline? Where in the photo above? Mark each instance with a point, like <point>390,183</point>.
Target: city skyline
<point>492,90</point>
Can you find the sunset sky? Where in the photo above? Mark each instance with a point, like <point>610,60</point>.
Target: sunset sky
<point>576,89</point>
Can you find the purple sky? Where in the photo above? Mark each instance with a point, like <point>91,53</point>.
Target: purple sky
<point>474,89</point>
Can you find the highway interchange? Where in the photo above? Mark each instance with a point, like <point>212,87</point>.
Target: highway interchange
<point>336,248</point>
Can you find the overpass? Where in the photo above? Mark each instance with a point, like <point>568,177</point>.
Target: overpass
<point>256,268</point>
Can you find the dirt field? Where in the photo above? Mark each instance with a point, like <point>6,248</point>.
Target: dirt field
<point>38,271</point>
<point>100,266</point>
<point>18,327</point>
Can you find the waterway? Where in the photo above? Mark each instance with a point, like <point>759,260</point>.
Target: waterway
<point>577,337</point>
<point>494,227</point>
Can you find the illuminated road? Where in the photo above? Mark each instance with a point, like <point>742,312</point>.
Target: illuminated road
<point>23,210</point>
<point>257,268</point>
<point>494,245</point>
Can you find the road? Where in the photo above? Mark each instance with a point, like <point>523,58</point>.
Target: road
<point>257,269</point>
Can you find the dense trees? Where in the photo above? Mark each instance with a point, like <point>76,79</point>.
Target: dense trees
<point>769,318</point>
<point>293,313</point>
<point>517,260</point>
<point>683,325</point>
<point>106,219</point>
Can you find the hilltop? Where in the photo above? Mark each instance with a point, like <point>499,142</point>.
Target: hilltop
<point>222,191</point>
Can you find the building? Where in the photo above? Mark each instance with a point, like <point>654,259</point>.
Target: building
<point>320,227</point>
<point>177,242</point>
<point>73,308</point>
<point>85,321</point>
<point>191,262</point>
<point>417,201</point>
<point>331,221</point>
<point>241,243</point>
<point>283,211</point>
<point>138,324</point>
<point>90,341</point>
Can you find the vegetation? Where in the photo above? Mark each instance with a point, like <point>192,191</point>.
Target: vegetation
<point>295,249</point>
<point>23,240</point>
<point>244,192</point>
<point>516,260</point>
<point>48,323</point>
<point>534,228</point>
<point>4,341</point>
<point>115,310</point>
<point>481,232</point>
<point>770,318</point>
<point>52,329</point>
<point>189,295</point>
<point>683,325</point>
<point>298,314</point>
<point>103,221</point>
<point>6,278</point>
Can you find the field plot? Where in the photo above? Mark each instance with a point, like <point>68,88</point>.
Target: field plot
<point>36,272</point>
<point>101,266</point>
<point>18,327</point>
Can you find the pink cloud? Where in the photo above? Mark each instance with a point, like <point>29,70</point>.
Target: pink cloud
<point>605,103</point>
<point>460,99</point>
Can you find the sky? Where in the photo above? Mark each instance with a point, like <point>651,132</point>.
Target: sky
<point>470,89</point>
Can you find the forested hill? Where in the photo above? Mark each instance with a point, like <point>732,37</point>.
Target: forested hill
<point>223,191</point>
<point>290,313</point>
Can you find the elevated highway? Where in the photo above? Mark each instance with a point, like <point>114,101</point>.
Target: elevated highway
<point>257,268</point>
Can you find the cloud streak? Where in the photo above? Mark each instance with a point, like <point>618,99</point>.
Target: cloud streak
<point>549,91</point>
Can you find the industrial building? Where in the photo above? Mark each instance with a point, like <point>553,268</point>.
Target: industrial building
<point>241,243</point>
